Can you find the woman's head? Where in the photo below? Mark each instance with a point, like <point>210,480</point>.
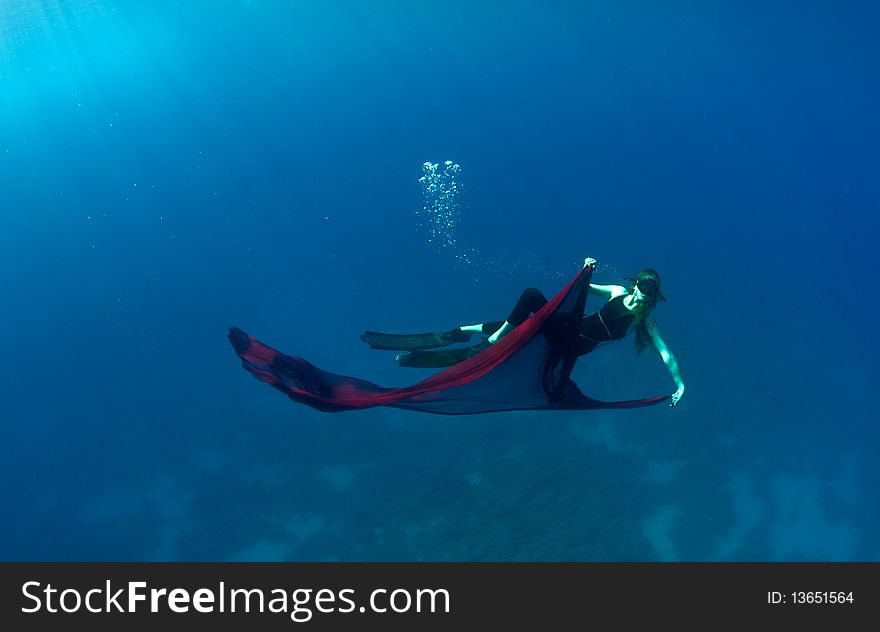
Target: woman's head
<point>646,288</point>
<point>646,293</point>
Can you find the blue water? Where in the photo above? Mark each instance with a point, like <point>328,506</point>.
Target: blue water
<point>168,170</point>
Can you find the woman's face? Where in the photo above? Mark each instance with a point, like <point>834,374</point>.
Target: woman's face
<point>644,290</point>
<point>638,297</point>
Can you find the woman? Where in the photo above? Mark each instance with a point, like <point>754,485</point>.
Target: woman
<point>527,364</point>
<point>625,312</point>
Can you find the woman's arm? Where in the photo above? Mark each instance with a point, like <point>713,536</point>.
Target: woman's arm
<point>669,361</point>
<point>605,291</point>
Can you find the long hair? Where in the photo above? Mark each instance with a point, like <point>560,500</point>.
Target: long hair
<point>644,308</point>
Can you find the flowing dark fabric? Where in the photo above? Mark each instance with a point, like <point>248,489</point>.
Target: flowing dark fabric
<point>528,369</point>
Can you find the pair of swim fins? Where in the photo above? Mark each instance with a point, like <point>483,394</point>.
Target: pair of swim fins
<point>417,349</point>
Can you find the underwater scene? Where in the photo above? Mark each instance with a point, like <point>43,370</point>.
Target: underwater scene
<point>308,171</point>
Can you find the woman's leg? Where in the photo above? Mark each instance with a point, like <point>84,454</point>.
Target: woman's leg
<point>530,301</point>
<point>486,329</point>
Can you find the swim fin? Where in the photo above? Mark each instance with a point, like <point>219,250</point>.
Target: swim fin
<point>411,342</point>
<point>423,359</point>
<point>430,340</point>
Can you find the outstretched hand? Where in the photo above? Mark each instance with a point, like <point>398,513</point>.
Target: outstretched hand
<point>676,396</point>
<point>589,262</point>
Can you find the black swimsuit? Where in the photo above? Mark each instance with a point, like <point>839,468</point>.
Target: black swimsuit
<point>611,322</point>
